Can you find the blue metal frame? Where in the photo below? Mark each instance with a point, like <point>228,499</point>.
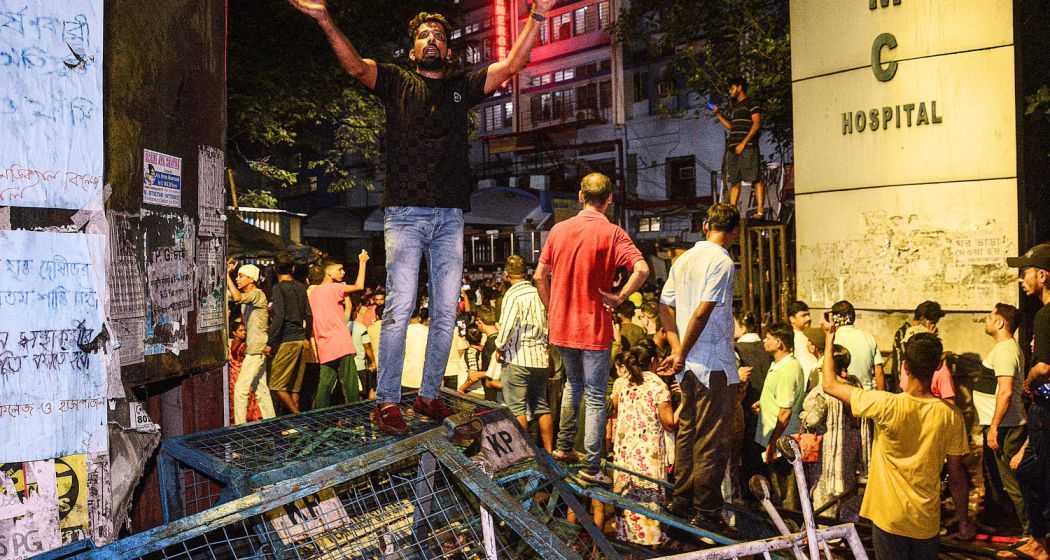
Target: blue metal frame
<point>494,498</point>
<point>238,481</point>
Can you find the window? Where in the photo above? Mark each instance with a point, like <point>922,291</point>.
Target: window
<point>456,33</point>
<point>473,54</point>
<point>649,224</point>
<point>605,94</point>
<point>545,79</point>
<point>562,26</point>
<point>603,14</point>
<point>681,177</point>
<point>545,35</point>
<point>588,96</point>
<point>493,115</point>
<point>580,15</point>
<point>664,88</point>
<point>508,114</point>
<point>563,75</point>
<point>486,49</point>
<point>471,28</point>
<point>641,86</point>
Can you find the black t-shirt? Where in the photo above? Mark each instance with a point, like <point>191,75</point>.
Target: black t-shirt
<point>740,119</point>
<point>290,315</point>
<point>426,136</point>
<point>1041,327</point>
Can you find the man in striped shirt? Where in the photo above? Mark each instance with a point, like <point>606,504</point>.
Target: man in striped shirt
<point>742,158</point>
<point>522,344</point>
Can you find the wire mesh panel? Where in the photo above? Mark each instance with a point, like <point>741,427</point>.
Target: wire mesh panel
<point>417,499</point>
<point>247,456</point>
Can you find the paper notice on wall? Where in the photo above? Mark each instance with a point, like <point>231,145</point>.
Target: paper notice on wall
<point>99,499</point>
<point>161,179</point>
<point>51,103</point>
<point>53,389</point>
<point>211,284</point>
<point>211,196</point>
<point>126,279</point>
<point>169,281</point>
<point>29,516</point>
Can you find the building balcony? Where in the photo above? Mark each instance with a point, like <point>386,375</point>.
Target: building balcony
<point>574,114</point>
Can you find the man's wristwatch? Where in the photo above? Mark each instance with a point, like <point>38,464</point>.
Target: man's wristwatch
<point>538,17</point>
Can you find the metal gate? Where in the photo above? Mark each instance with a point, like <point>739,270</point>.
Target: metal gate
<point>766,279</point>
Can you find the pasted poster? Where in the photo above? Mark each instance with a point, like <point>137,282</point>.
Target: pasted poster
<point>46,504</point>
<point>211,197</point>
<point>169,281</point>
<point>52,376</point>
<point>211,285</point>
<point>161,179</point>
<point>50,103</point>
<point>28,509</point>
<point>126,279</point>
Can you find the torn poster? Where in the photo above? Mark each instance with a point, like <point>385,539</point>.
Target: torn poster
<point>127,292</point>
<point>53,389</point>
<point>51,119</point>
<point>29,515</point>
<point>161,179</point>
<point>71,486</point>
<point>169,281</point>
<point>211,284</point>
<point>99,499</point>
<point>211,197</point>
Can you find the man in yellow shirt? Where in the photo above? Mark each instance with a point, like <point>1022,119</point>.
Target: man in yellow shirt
<point>914,433</point>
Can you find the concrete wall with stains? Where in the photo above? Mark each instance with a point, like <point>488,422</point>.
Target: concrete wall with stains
<point>898,202</point>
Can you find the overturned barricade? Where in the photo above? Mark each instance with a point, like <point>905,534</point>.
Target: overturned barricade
<point>327,484</point>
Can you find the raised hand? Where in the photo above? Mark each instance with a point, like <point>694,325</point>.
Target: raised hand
<point>542,6</point>
<point>316,9</point>
<point>362,257</point>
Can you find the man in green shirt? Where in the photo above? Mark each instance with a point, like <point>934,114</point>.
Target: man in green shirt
<point>779,407</point>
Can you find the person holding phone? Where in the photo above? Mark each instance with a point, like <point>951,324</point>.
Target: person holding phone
<point>742,160</point>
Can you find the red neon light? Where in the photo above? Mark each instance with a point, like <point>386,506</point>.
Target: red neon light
<point>502,29</point>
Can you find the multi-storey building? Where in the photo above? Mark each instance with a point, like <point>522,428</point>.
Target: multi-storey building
<point>585,103</point>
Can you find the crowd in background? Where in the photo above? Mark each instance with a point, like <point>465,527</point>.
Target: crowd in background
<point>628,384</point>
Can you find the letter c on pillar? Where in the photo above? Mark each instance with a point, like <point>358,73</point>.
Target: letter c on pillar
<point>883,74</point>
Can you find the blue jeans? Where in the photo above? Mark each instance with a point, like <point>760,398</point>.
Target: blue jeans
<point>587,374</point>
<point>412,233</point>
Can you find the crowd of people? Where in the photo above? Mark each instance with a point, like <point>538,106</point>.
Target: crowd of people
<point>662,380</point>
<point>699,394</point>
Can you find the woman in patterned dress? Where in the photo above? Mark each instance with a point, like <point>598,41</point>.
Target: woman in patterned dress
<point>641,408</point>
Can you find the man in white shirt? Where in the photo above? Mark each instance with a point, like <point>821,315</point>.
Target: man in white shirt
<point>696,310</point>
<point>1001,412</point>
<point>415,349</point>
<point>800,320</point>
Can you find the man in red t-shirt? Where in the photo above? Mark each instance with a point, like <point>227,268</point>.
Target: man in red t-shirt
<point>330,307</point>
<point>577,267</point>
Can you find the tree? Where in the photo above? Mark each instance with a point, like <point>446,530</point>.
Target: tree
<point>713,41</point>
<point>291,106</point>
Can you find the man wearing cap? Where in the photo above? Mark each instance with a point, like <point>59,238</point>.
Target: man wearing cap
<point>1033,462</point>
<point>815,339</point>
<point>926,316</point>
<point>254,314</point>
<point>522,343</point>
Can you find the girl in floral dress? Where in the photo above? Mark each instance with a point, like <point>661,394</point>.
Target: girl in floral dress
<point>641,407</point>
